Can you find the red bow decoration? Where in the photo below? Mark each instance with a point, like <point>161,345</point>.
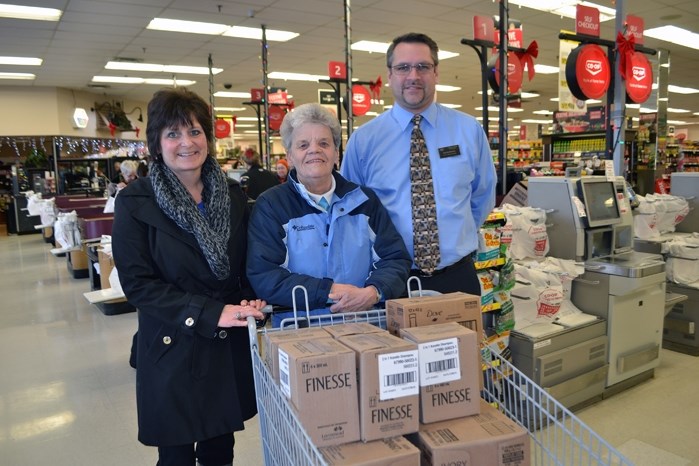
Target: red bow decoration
<point>527,58</point>
<point>625,50</point>
<point>138,130</point>
<point>235,120</point>
<point>376,88</point>
<point>112,128</point>
<point>290,105</point>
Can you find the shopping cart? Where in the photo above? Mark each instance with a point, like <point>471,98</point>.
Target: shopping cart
<point>558,437</point>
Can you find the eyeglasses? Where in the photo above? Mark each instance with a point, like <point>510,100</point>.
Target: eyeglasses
<point>404,68</point>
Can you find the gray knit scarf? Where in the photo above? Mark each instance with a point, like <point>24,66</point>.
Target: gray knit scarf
<point>211,231</point>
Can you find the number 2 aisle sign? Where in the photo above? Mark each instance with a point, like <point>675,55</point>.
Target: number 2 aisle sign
<point>337,70</point>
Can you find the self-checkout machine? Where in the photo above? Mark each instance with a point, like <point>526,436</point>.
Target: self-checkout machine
<point>681,325</point>
<point>592,222</point>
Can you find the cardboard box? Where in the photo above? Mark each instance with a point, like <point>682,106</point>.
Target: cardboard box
<point>388,384</point>
<point>271,340</point>
<point>393,451</point>
<point>320,379</point>
<point>106,263</point>
<point>353,328</point>
<point>489,438</point>
<point>429,310</point>
<point>450,371</point>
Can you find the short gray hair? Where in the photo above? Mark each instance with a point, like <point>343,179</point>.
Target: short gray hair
<point>309,113</point>
<point>129,167</point>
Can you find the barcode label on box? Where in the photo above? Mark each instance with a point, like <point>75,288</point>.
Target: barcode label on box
<point>398,375</point>
<point>284,383</point>
<point>439,361</point>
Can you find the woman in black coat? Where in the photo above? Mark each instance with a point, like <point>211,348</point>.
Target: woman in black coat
<point>179,242</point>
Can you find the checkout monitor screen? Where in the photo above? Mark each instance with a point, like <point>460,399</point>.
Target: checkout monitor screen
<point>600,202</point>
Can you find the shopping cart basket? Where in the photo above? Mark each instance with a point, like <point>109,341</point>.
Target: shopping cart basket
<point>558,437</point>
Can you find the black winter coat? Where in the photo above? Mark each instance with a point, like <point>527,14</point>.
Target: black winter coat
<point>194,381</point>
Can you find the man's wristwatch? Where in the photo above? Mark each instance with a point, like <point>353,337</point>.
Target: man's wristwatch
<point>379,295</point>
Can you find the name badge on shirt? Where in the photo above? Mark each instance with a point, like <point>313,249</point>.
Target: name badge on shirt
<point>449,151</point>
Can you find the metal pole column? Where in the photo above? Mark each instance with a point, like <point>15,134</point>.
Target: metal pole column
<point>616,118</point>
<point>502,147</point>
<point>267,148</point>
<point>348,65</point>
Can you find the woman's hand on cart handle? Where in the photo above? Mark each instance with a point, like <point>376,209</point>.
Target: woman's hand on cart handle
<point>236,315</point>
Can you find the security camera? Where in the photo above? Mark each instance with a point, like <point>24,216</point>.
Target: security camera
<point>228,85</point>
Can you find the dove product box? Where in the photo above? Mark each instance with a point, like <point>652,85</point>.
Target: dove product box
<point>388,384</point>
<point>459,307</point>
<point>449,371</point>
<point>319,377</point>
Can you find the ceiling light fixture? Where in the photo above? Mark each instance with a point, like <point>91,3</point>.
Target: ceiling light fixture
<point>29,12</point>
<point>445,88</point>
<point>29,61</point>
<point>545,69</point>
<point>137,80</point>
<point>156,68</point>
<point>681,90</point>
<point>230,109</point>
<point>674,35</point>
<point>232,94</point>
<point>26,76</point>
<point>295,76</point>
<point>215,29</point>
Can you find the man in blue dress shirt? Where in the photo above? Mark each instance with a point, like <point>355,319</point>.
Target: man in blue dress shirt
<point>464,178</point>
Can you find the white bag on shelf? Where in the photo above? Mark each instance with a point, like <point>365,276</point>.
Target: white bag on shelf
<point>66,230</point>
<point>682,260</point>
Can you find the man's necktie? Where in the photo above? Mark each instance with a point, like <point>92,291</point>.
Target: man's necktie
<point>425,234</point>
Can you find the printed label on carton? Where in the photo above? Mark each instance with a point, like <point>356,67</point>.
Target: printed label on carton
<point>398,375</point>
<point>284,373</point>
<point>439,361</point>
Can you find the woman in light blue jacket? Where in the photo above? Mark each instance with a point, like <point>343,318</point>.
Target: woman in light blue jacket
<point>322,231</point>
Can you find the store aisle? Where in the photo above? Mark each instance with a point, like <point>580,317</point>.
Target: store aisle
<point>67,391</point>
<point>67,395</point>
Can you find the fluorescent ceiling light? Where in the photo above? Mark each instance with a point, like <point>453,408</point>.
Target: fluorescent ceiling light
<point>677,122</point>
<point>528,95</point>
<point>137,80</point>
<point>382,47</point>
<point>156,68</point>
<point>215,29</point>
<point>695,113</point>
<point>634,106</point>
<point>452,105</point>
<point>246,119</point>
<point>542,112</point>
<point>232,94</point>
<point>29,61</point>
<point>445,88</point>
<point>674,35</point>
<point>256,33</point>
<point>295,76</point>
<point>540,122</point>
<point>646,110</point>
<point>27,76</point>
<point>565,8</point>
<point>229,109</point>
<point>29,12</point>
<point>677,110</point>
<point>250,132</point>
<point>681,90</point>
<point>371,114</point>
<point>545,69</point>
<point>593,101</point>
<point>554,99</point>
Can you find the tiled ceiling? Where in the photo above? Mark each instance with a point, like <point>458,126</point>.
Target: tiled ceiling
<point>92,32</point>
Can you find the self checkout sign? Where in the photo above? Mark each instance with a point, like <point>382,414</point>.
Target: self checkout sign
<point>587,20</point>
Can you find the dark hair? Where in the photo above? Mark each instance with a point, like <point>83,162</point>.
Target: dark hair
<point>176,107</point>
<point>413,38</point>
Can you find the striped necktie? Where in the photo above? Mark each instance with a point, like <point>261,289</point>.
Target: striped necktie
<point>425,234</point>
